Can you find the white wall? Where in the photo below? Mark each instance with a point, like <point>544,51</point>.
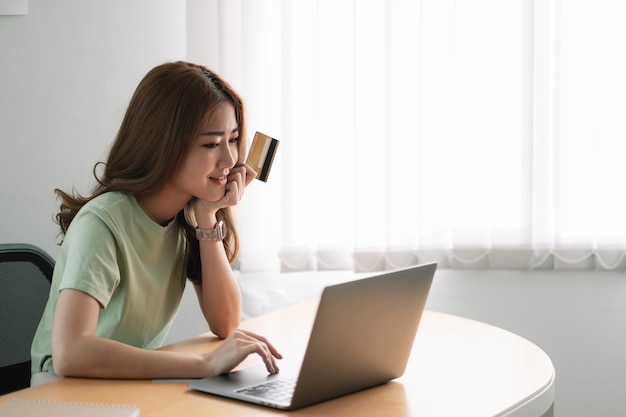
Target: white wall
<point>67,71</point>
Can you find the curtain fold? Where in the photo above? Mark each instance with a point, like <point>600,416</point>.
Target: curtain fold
<point>482,134</point>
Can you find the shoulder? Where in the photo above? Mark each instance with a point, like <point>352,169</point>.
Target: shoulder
<point>109,201</point>
<point>102,213</point>
<point>110,207</point>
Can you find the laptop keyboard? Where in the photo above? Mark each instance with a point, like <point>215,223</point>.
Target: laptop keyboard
<point>279,390</point>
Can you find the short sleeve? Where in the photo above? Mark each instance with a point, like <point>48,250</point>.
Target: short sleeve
<point>91,259</point>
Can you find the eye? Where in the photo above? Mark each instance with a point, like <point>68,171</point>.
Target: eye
<point>210,145</point>
<point>235,140</point>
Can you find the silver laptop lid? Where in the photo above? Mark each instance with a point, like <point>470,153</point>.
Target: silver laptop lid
<point>363,333</point>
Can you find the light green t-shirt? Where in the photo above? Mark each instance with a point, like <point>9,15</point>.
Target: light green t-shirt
<point>132,266</point>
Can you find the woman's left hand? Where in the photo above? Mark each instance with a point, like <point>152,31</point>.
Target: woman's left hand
<point>238,179</point>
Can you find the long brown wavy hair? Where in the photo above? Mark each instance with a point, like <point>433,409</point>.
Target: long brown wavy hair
<point>163,119</point>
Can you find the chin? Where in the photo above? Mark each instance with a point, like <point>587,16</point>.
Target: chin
<point>213,198</point>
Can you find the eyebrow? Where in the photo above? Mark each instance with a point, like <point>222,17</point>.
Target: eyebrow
<point>216,133</point>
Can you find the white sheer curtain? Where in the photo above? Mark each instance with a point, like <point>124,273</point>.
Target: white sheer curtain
<point>478,134</point>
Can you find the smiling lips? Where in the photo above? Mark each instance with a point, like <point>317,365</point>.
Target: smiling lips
<point>222,179</point>
<point>219,180</point>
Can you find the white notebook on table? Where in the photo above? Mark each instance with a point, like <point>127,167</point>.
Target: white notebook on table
<point>18,407</point>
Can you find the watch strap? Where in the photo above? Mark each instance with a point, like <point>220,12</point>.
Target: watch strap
<point>217,233</point>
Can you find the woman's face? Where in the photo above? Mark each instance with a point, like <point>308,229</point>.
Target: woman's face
<point>215,151</point>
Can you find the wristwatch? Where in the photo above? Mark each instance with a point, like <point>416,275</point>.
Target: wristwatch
<point>217,233</point>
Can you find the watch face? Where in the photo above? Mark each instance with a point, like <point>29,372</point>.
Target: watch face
<point>221,232</point>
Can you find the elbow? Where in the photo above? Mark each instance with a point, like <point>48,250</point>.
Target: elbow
<point>62,365</point>
<point>65,361</point>
<point>61,371</point>
<point>224,329</point>
<point>222,324</point>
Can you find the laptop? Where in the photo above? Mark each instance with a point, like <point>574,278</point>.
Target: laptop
<point>361,337</point>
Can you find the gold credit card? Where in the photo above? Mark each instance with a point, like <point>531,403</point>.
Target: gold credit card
<point>261,155</point>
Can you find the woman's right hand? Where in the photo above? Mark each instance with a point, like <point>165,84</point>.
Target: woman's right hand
<point>238,346</point>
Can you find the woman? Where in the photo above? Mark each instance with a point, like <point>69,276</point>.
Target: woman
<point>161,213</point>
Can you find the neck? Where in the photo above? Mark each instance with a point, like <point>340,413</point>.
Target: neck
<point>150,212</point>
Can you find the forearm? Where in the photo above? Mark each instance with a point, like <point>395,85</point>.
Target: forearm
<point>94,357</point>
<point>219,294</point>
<point>91,356</point>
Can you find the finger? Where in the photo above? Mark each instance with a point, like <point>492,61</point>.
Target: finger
<point>247,173</point>
<point>265,350</point>
<point>250,174</point>
<point>237,176</point>
<point>247,343</point>
<point>271,366</point>
<point>231,196</point>
<point>268,359</point>
<point>263,339</point>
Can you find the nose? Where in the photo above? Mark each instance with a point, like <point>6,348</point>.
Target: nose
<point>228,157</point>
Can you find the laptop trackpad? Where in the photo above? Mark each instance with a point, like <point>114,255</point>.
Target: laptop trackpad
<point>243,378</point>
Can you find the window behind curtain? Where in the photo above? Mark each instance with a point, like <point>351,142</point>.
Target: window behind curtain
<point>478,134</point>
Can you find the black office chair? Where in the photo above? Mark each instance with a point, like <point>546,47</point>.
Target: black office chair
<point>25,278</point>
